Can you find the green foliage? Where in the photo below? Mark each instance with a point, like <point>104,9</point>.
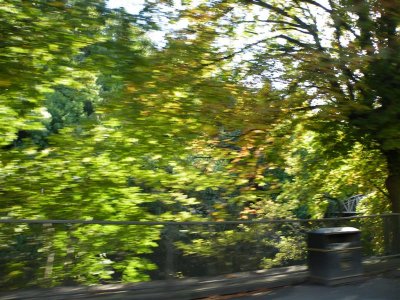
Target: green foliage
<point>39,40</point>
<point>111,132</point>
<point>291,248</point>
<point>336,65</point>
<point>97,123</point>
<point>317,177</point>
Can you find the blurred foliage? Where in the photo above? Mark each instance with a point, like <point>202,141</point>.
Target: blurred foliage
<point>97,122</point>
<point>335,64</point>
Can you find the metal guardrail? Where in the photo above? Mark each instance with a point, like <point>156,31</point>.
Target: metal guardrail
<point>64,252</point>
<point>147,223</point>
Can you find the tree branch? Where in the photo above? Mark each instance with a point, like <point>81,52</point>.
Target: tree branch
<point>311,28</point>
<point>294,41</point>
<point>378,188</point>
<point>281,12</point>
<point>308,108</point>
<point>312,2</point>
<point>234,53</point>
<point>296,29</point>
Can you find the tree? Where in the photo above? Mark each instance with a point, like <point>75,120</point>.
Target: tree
<point>39,40</point>
<point>112,140</point>
<point>317,179</point>
<point>337,61</point>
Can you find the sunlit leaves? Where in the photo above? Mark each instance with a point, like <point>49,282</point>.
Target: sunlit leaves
<point>97,123</point>
<point>319,177</point>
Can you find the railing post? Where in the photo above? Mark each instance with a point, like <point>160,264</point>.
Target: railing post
<point>396,233</point>
<point>169,248</point>
<point>387,234</point>
<point>392,234</point>
<point>48,230</point>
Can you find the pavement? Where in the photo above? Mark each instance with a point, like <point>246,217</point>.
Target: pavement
<point>381,281</point>
<point>377,288</point>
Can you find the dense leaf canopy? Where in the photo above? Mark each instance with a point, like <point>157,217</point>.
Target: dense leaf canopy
<point>248,109</point>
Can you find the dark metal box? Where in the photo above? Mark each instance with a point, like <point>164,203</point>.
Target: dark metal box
<point>334,255</point>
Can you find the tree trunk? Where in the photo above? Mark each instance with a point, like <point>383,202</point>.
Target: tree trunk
<point>393,188</point>
<point>393,179</point>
